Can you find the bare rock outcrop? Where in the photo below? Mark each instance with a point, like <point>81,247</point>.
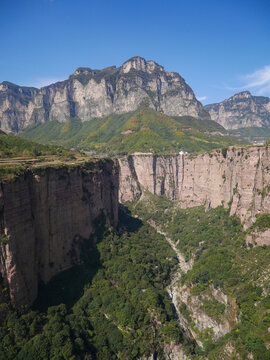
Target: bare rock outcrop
<point>259,238</point>
<point>171,352</point>
<point>198,321</point>
<point>46,217</point>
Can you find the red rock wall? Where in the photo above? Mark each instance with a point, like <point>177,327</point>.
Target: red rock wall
<point>45,213</point>
<point>239,178</point>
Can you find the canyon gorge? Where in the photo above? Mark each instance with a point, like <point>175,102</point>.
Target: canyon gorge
<point>46,213</point>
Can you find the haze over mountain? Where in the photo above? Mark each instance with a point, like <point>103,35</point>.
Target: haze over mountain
<point>97,93</point>
<point>241,110</point>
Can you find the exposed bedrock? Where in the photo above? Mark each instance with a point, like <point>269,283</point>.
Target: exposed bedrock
<point>241,110</point>
<point>239,178</point>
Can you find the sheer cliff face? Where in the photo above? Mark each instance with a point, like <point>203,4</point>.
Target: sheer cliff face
<point>47,215</point>
<point>97,93</point>
<point>241,110</point>
<point>239,178</point>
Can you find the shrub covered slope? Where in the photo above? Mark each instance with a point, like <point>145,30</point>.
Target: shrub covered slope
<point>144,130</point>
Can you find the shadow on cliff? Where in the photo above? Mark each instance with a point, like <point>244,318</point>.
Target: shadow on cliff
<point>126,221</point>
<point>68,286</point>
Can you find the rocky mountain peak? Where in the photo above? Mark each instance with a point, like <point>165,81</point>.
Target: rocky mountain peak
<point>140,64</point>
<point>241,95</point>
<point>88,72</point>
<point>3,87</point>
<point>241,110</point>
<point>82,70</point>
<point>6,85</point>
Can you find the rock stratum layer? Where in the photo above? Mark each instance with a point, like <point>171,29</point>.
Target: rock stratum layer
<point>47,216</point>
<point>91,93</point>
<point>239,178</point>
<point>241,110</point>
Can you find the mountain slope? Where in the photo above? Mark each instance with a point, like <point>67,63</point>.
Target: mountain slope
<point>14,146</point>
<point>92,94</point>
<point>241,110</point>
<point>255,135</point>
<point>142,130</point>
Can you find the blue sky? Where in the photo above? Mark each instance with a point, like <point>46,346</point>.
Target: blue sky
<point>219,47</point>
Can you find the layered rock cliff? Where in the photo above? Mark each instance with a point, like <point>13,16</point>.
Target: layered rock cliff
<point>241,110</point>
<point>97,93</point>
<point>46,217</point>
<point>236,177</point>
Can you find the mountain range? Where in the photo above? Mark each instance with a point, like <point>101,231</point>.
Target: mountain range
<point>90,94</point>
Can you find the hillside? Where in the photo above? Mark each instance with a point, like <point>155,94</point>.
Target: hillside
<point>144,130</point>
<point>255,135</point>
<point>14,146</point>
<point>137,284</point>
<point>18,154</point>
<point>89,94</point>
<point>115,306</point>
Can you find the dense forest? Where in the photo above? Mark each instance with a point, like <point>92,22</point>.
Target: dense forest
<point>114,307</point>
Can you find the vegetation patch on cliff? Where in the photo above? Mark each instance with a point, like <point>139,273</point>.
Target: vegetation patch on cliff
<point>262,223</point>
<point>255,135</point>
<point>19,155</point>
